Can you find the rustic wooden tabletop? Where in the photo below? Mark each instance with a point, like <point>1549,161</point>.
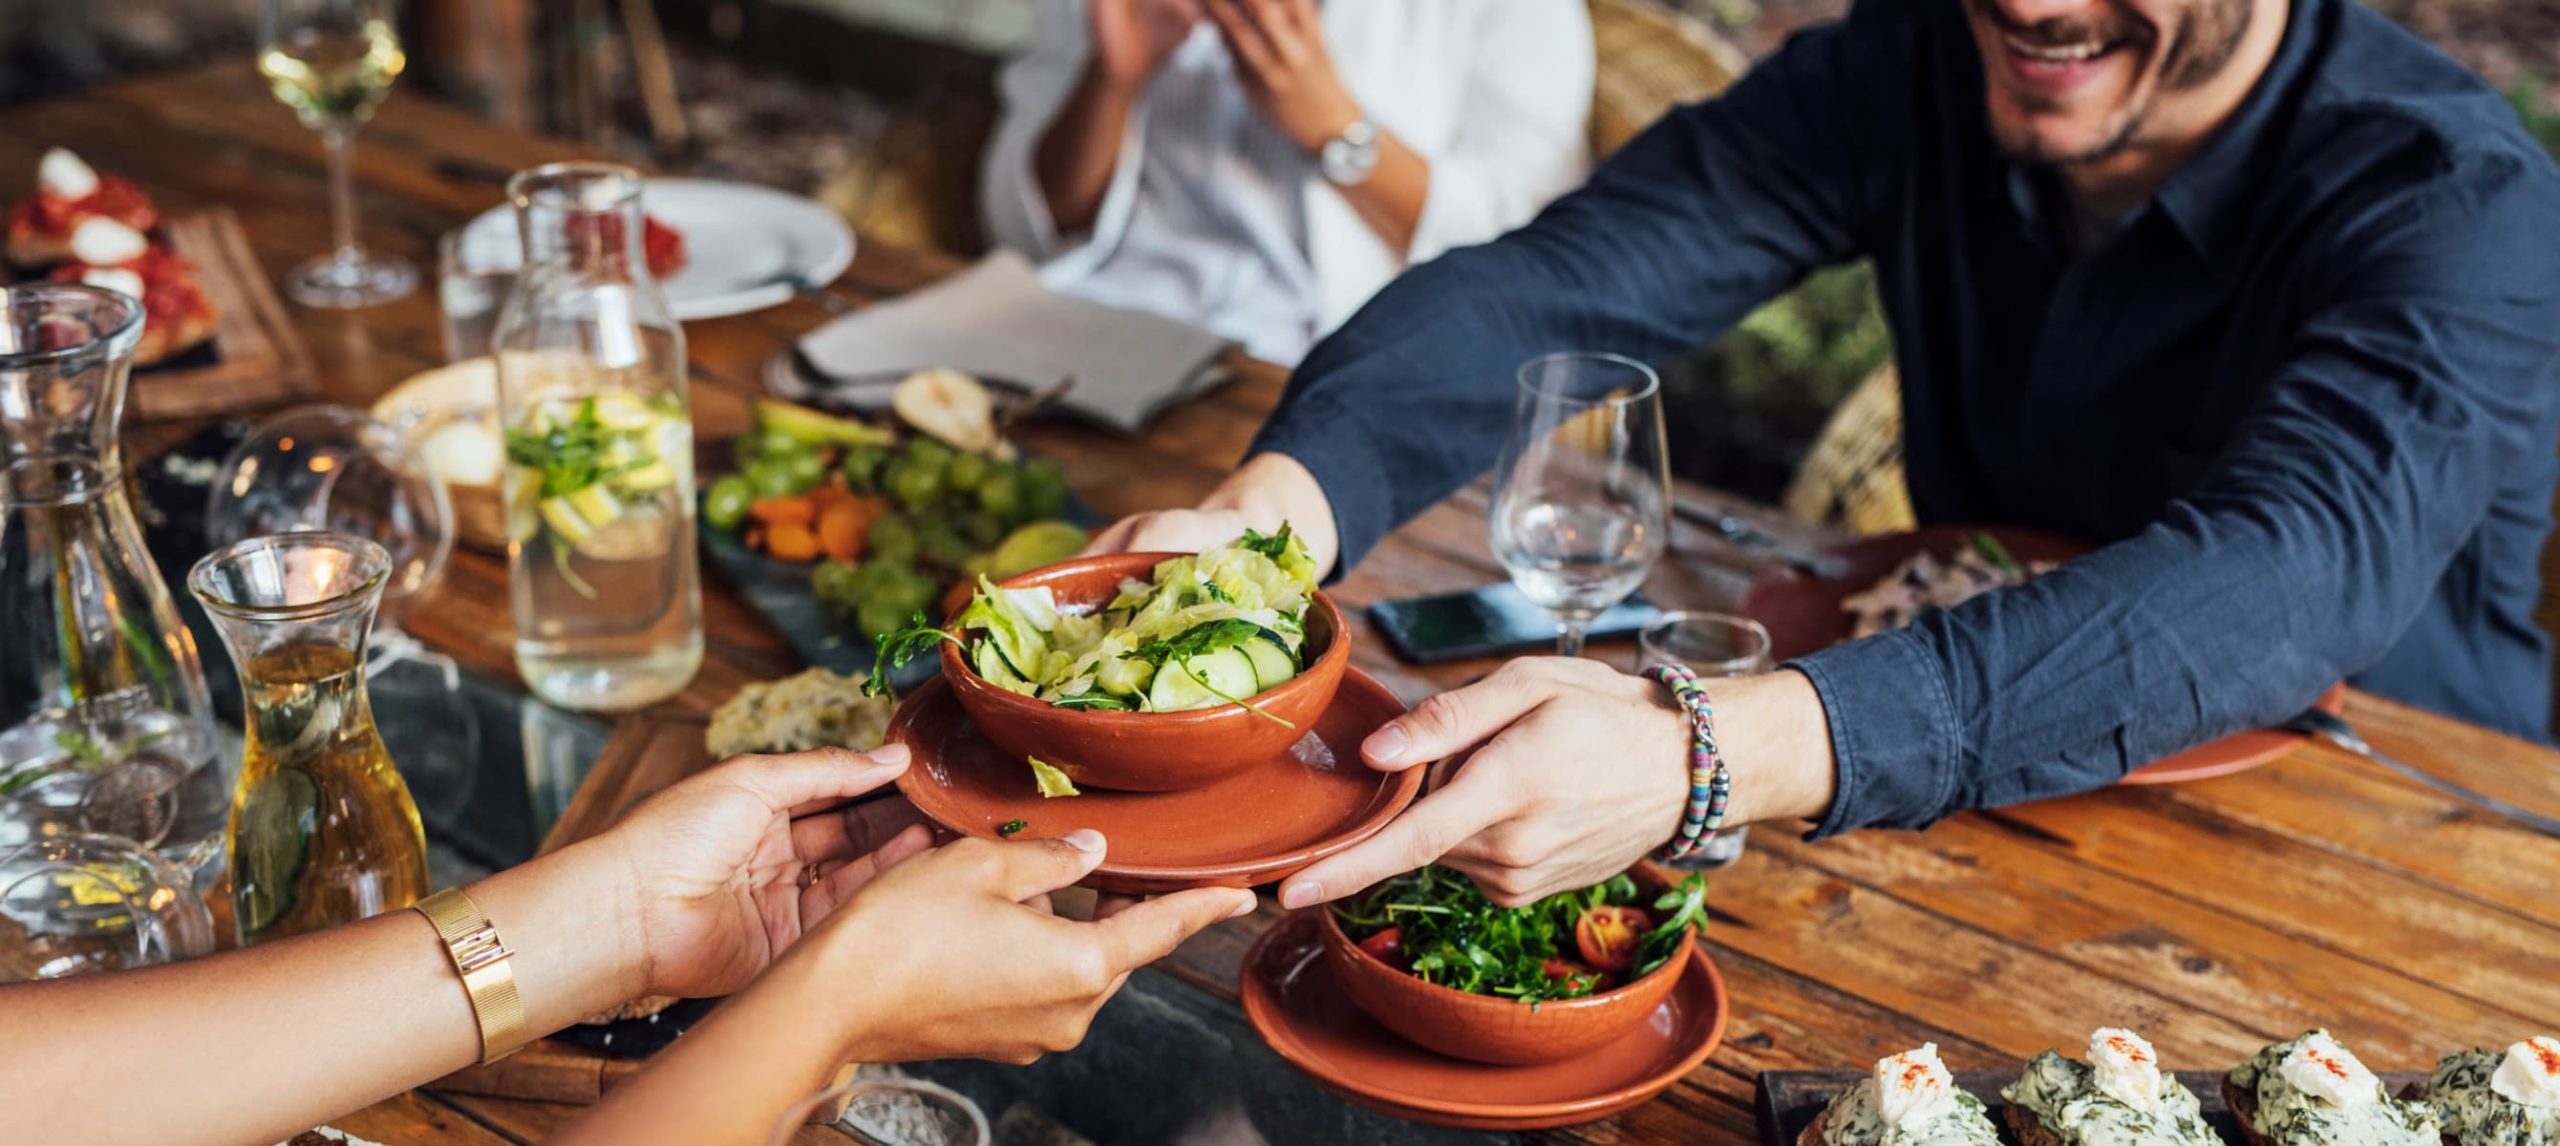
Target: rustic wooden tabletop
<point>2215,917</point>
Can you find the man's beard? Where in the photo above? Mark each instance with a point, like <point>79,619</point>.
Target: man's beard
<point>2203,47</point>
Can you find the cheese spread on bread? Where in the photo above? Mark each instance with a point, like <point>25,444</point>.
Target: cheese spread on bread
<point>2489,1098</point>
<point>2312,1090</point>
<point>1910,1100</point>
<point>102,242</point>
<point>63,176</point>
<point>2118,1098</point>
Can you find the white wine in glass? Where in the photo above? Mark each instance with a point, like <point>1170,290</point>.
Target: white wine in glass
<point>331,61</point>
<point>1581,497</point>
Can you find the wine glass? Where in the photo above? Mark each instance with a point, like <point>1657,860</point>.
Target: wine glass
<point>1581,496</point>
<point>331,61</point>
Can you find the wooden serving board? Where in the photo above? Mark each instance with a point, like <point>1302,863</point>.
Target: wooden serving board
<point>255,361</point>
<point>1788,1100</point>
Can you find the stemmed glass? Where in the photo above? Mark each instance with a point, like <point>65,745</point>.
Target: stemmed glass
<point>1581,497</point>
<point>331,61</point>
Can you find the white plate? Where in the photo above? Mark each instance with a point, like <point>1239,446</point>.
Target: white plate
<point>743,244</point>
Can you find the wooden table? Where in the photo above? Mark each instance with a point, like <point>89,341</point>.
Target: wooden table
<point>2215,917</point>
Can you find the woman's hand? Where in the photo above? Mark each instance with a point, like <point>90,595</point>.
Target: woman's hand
<point>1133,38</point>
<point>1568,772</point>
<point>717,868</point>
<point>1278,46</point>
<point>956,954</point>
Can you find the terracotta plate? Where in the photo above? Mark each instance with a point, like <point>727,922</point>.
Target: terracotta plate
<point>1802,613</point>
<point>1254,827</point>
<point>1292,998</point>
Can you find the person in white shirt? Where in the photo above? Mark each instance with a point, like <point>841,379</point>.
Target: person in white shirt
<point>1259,168</point>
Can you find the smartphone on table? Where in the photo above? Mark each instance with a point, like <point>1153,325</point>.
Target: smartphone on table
<point>1495,620</point>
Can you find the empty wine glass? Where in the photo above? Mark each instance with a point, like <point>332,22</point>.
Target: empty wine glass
<point>1581,497</point>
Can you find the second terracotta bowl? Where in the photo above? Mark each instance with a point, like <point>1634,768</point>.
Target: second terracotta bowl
<point>1489,1028</point>
<point>1150,751</point>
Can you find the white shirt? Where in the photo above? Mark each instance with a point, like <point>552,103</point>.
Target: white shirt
<point>1213,218</point>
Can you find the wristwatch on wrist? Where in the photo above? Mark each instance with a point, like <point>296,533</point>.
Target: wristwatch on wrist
<point>1348,159</point>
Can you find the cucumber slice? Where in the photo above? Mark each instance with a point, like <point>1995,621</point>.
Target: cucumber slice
<point>1021,646</point>
<point>990,663</point>
<point>271,844</point>
<point>1272,662</point>
<point>1203,681</point>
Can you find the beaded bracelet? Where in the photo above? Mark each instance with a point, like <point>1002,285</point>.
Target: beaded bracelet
<point>1710,782</point>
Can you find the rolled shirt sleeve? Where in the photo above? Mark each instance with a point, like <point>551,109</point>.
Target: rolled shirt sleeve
<point>1034,86</point>
<point>2318,534</point>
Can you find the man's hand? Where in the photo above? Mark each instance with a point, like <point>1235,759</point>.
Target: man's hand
<point>1278,46</point>
<point>1269,490</point>
<point>954,953</point>
<point>1570,773</point>
<point>1133,38</point>
<point>715,870</point>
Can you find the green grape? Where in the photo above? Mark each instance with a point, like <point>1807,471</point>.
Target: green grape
<point>1044,490</point>
<point>861,467</point>
<point>725,504</point>
<point>982,529</point>
<point>837,585</point>
<point>964,472</point>
<point>943,544</point>
<point>746,449</point>
<point>912,483</point>
<point>920,448</point>
<point>893,540</point>
<point>807,468</point>
<point>1001,495</point>
<point>881,615</point>
<point>772,478</point>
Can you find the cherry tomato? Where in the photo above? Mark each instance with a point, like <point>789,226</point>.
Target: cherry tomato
<point>1608,936</point>
<point>1387,946</point>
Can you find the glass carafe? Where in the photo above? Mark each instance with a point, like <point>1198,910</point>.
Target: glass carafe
<point>103,720</point>
<point>322,830</point>
<point>599,479</point>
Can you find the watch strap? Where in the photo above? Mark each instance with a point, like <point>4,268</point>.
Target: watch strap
<point>482,959</point>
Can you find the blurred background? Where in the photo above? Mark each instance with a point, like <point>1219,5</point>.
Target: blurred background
<point>880,109</point>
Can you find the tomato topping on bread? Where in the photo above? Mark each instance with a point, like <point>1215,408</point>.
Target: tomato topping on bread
<point>176,314</point>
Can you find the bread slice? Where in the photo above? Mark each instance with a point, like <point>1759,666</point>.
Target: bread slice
<point>1812,1135</point>
<point>2028,1129</point>
<point>2243,1105</point>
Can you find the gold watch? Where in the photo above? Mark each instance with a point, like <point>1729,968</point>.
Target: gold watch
<point>481,958</point>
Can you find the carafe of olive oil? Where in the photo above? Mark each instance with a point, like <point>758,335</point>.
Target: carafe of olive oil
<point>322,829</point>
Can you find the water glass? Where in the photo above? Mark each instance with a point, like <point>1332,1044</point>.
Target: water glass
<point>475,269</point>
<point>1714,646</point>
<point>1581,496</point>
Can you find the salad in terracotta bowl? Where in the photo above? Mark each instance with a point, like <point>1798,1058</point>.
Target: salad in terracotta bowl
<point>1143,671</point>
<point>1432,959</point>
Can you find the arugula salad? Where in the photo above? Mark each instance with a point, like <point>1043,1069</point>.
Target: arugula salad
<point>1216,628</point>
<point>1437,925</point>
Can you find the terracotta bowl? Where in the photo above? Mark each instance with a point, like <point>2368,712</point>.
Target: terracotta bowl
<point>1487,1028</point>
<point>1150,751</point>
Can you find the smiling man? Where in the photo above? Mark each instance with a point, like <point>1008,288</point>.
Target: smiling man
<point>2262,296</point>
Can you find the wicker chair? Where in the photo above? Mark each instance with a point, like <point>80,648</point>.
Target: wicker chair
<point>1852,477</point>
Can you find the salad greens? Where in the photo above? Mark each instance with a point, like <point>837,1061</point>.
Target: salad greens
<point>1435,923</point>
<point>1217,628</point>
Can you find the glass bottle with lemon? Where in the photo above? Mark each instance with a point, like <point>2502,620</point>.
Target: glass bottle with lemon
<point>599,478</point>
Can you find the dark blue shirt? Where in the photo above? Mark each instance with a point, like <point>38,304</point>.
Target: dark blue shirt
<point>2305,397</point>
